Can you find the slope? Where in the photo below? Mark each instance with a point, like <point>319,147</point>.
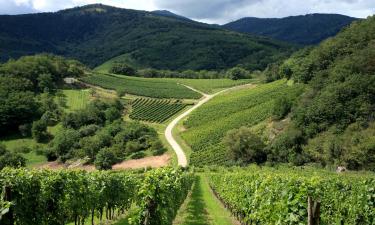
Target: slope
<point>304,30</point>
<point>97,33</point>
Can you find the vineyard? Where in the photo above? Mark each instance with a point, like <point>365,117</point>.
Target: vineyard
<point>270,196</point>
<point>155,110</point>
<point>156,88</point>
<point>246,107</point>
<point>62,197</point>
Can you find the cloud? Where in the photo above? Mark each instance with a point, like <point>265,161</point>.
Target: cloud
<point>222,11</point>
<point>212,11</point>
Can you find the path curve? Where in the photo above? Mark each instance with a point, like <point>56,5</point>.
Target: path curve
<point>181,156</point>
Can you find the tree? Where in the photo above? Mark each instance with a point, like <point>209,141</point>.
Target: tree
<point>45,82</point>
<point>10,159</point>
<point>112,114</point>
<point>105,159</point>
<point>237,73</point>
<point>123,69</point>
<point>39,130</point>
<point>65,142</point>
<point>245,146</point>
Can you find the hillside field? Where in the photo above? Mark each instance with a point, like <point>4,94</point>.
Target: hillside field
<point>246,107</point>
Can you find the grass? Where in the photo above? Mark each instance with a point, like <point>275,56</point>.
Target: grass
<point>202,207</point>
<point>234,109</point>
<point>149,87</point>
<point>76,99</point>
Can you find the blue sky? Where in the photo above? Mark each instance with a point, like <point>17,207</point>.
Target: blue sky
<point>211,11</point>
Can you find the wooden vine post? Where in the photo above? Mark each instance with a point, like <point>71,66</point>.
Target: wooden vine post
<point>313,212</point>
<point>8,197</point>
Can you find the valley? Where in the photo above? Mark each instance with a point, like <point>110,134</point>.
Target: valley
<point>131,117</point>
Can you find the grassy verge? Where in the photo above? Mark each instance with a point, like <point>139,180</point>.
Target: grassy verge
<point>202,207</point>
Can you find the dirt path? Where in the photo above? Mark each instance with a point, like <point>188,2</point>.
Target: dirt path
<point>181,157</point>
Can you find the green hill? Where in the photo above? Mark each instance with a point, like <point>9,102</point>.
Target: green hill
<point>95,34</point>
<point>304,30</point>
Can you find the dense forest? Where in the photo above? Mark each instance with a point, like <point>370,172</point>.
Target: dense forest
<point>95,34</point>
<point>303,30</point>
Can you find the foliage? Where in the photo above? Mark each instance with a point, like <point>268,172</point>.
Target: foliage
<point>282,108</point>
<point>155,110</point>
<point>22,81</point>
<point>237,73</point>
<point>10,159</point>
<point>59,197</point>
<point>140,38</point>
<point>279,196</point>
<point>155,88</point>
<point>245,146</point>
<point>39,130</point>
<point>105,159</point>
<point>340,94</point>
<point>123,69</point>
<point>293,29</point>
<point>161,195</point>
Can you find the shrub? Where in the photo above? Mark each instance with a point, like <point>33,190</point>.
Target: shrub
<point>123,69</point>
<point>281,108</point>
<point>39,131</point>
<point>105,159</point>
<point>245,146</point>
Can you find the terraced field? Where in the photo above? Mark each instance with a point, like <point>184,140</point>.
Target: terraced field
<point>155,88</point>
<point>246,107</point>
<point>155,110</point>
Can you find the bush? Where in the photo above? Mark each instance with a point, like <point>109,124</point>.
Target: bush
<point>25,129</point>
<point>10,159</point>
<point>245,146</point>
<point>138,155</point>
<point>39,131</point>
<point>281,108</point>
<point>237,73</point>
<point>105,159</point>
<point>123,69</point>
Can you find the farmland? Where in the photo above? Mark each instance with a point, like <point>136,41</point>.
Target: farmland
<point>280,196</point>
<point>156,88</point>
<point>246,107</point>
<point>155,110</point>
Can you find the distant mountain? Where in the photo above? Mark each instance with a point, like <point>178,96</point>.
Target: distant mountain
<point>304,30</point>
<point>169,14</point>
<point>97,33</point>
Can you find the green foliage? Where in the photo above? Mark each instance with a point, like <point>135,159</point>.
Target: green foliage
<point>208,125</point>
<point>155,88</point>
<point>141,39</point>
<point>60,197</point>
<point>161,195</point>
<point>237,73</point>
<point>10,159</point>
<point>105,159</point>
<point>39,131</point>
<point>244,146</point>
<point>281,108</point>
<point>270,196</point>
<point>123,69</point>
<point>155,110</point>
<point>293,29</point>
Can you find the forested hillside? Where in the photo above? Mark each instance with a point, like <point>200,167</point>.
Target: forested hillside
<point>95,34</point>
<point>304,30</point>
<point>333,123</point>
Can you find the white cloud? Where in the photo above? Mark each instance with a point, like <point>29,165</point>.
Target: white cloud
<point>213,11</point>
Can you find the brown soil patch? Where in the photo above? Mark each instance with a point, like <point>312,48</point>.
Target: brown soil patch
<point>152,161</point>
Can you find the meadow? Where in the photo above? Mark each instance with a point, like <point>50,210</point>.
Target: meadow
<point>234,109</point>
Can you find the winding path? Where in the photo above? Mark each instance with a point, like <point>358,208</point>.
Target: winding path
<point>181,156</point>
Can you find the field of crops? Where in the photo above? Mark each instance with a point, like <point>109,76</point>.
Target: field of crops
<point>155,110</point>
<point>210,86</point>
<point>62,197</point>
<point>245,107</point>
<point>155,88</point>
<point>270,196</point>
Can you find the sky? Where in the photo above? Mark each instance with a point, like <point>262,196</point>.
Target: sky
<point>209,11</point>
